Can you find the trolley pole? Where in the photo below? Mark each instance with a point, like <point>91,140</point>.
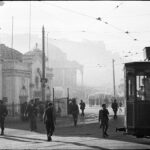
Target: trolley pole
<point>53,95</point>
<point>43,80</point>
<point>68,93</point>
<point>114,86</point>
<point>12,35</point>
<point>68,101</point>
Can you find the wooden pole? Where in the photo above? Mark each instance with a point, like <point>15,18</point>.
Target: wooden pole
<point>30,26</point>
<point>114,86</point>
<point>43,65</point>
<point>53,95</point>
<point>12,36</point>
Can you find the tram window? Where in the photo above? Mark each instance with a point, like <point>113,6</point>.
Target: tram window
<point>140,87</point>
<point>147,88</point>
<point>131,87</point>
<point>143,87</point>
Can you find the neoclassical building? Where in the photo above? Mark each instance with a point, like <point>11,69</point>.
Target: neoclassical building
<point>65,73</point>
<point>20,75</point>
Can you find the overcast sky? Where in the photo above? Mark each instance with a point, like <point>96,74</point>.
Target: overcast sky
<point>123,26</point>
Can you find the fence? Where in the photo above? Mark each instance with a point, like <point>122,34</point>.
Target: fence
<point>19,109</point>
<point>15,109</point>
<point>61,106</point>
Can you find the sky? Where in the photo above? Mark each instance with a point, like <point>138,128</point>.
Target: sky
<point>122,27</point>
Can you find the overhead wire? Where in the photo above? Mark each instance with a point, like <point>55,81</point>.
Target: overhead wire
<point>70,10</point>
<point>115,8</point>
<point>101,19</point>
<point>98,18</point>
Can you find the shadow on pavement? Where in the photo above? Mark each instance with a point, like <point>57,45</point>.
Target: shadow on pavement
<point>83,144</point>
<point>37,140</point>
<point>23,139</point>
<point>82,130</point>
<point>93,130</point>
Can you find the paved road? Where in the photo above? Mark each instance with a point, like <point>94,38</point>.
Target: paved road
<point>86,136</point>
<point>21,139</point>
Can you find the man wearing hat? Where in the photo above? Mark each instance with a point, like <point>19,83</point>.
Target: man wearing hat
<point>49,119</point>
<point>31,112</point>
<point>115,108</point>
<point>103,118</point>
<point>75,111</point>
<point>3,114</point>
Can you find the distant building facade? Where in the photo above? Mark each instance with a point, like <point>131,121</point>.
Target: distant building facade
<point>20,75</point>
<point>65,73</point>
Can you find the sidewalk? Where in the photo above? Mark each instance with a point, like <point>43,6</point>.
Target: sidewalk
<point>85,136</point>
<point>21,139</point>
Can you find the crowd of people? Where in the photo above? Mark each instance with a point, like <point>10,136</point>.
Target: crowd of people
<point>47,114</point>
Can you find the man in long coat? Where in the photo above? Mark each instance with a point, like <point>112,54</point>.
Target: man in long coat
<point>31,112</point>
<point>75,112</point>
<point>114,106</point>
<point>3,114</point>
<point>49,120</point>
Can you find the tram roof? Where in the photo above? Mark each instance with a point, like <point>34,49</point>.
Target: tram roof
<point>138,64</point>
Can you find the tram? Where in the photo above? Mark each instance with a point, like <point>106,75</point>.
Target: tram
<point>137,91</point>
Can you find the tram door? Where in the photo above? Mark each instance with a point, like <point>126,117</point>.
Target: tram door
<point>130,100</point>
<point>143,103</point>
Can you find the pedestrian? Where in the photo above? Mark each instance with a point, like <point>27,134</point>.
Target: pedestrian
<point>82,107</point>
<point>103,119</point>
<point>3,114</point>
<point>59,111</point>
<point>31,112</point>
<point>49,121</point>
<point>120,107</point>
<point>41,111</point>
<point>70,107</point>
<point>100,117</point>
<point>114,106</point>
<point>23,107</point>
<point>75,111</point>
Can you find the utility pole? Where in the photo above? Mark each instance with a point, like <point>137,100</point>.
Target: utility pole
<point>114,86</point>
<point>43,80</point>
<point>30,26</point>
<point>53,95</point>
<point>47,51</point>
<point>12,36</point>
<point>13,96</point>
<point>68,101</point>
<point>68,93</point>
